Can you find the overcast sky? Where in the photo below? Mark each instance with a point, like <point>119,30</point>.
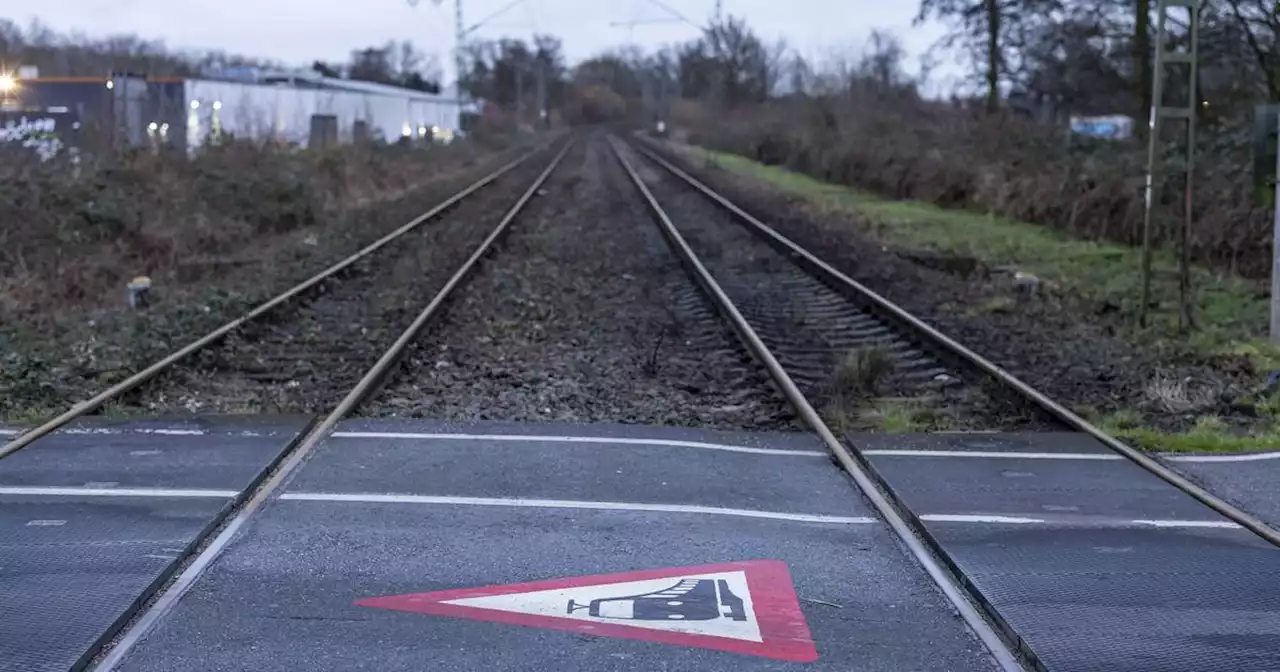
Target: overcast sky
<point>300,31</point>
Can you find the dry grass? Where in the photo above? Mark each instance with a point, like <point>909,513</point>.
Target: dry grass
<point>1171,394</point>
<point>858,373</point>
<point>73,235</point>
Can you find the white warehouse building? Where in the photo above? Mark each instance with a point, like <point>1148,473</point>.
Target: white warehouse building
<point>281,106</point>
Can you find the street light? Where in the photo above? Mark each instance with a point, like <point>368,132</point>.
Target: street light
<point>7,83</point>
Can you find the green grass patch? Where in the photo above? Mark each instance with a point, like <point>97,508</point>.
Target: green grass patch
<point>1232,313</point>
<point>1208,436</point>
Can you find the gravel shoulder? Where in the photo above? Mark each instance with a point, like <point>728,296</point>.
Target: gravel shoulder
<point>583,315</point>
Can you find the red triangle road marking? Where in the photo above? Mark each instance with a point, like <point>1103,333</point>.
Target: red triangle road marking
<point>747,607</point>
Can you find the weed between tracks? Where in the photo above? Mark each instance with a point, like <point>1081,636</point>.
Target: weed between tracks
<point>1056,310</point>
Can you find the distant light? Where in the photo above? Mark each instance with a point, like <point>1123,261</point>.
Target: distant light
<point>406,131</point>
<point>164,128</point>
<point>153,126</point>
<point>7,83</point>
<point>195,104</point>
<point>422,131</point>
<point>217,104</point>
<point>111,84</point>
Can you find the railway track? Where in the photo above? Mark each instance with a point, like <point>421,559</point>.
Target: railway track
<point>280,340</point>
<point>698,241</point>
<point>797,318</point>
<point>305,356</point>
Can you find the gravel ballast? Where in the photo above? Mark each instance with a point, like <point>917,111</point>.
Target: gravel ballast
<point>583,315</point>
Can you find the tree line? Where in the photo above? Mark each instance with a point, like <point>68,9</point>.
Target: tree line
<point>397,63</point>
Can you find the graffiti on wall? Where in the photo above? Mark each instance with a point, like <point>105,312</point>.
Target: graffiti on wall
<point>39,133</point>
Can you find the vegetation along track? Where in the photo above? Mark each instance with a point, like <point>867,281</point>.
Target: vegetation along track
<point>302,350</point>
<point>863,371</point>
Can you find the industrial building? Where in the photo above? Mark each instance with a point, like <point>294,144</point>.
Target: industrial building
<point>185,113</point>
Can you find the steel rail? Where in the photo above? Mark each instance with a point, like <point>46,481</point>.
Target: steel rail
<point>839,280</point>
<point>362,390</point>
<point>97,400</point>
<point>941,576</point>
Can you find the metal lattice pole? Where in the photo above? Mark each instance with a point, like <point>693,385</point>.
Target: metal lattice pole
<point>1160,112</point>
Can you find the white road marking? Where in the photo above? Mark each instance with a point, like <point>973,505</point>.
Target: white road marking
<point>570,504</point>
<point>160,557</point>
<point>371,498</point>
<point>1247,457</point>
<point>992,454</point>
<point>46,523</point>
<point>600,440</point>
<point>967,518</point>
<point>1085,522</point>
<point>1098,457</point>
<point>105,430</point>
<point>71,491</point>
<point>113,431</point>
<point>1217,524</point>
<point>141,453</point>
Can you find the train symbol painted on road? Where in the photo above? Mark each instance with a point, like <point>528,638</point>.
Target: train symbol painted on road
<point>687,600</point>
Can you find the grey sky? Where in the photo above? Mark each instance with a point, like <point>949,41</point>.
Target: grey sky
<point>299,31</point>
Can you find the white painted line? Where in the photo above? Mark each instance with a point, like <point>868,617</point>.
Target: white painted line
<point>105,430</point>
<point>58,491</point>
<point>111,431</point>
<point>1246,457</point>
<point>1110,457</point>
<point>1092,457</point>
<point>46,523</point>
<point>1216,524</point>
<point>994,520</point>
<point>599,440</point>
<point>570,504</point>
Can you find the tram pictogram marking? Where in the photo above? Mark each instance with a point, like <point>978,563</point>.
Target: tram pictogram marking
<point>745,607</point>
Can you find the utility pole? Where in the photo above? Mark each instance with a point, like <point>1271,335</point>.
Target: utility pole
<point>1275,253</point>
<point>459,36</point>
<point>519,95</point>
<point>543,118</point>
